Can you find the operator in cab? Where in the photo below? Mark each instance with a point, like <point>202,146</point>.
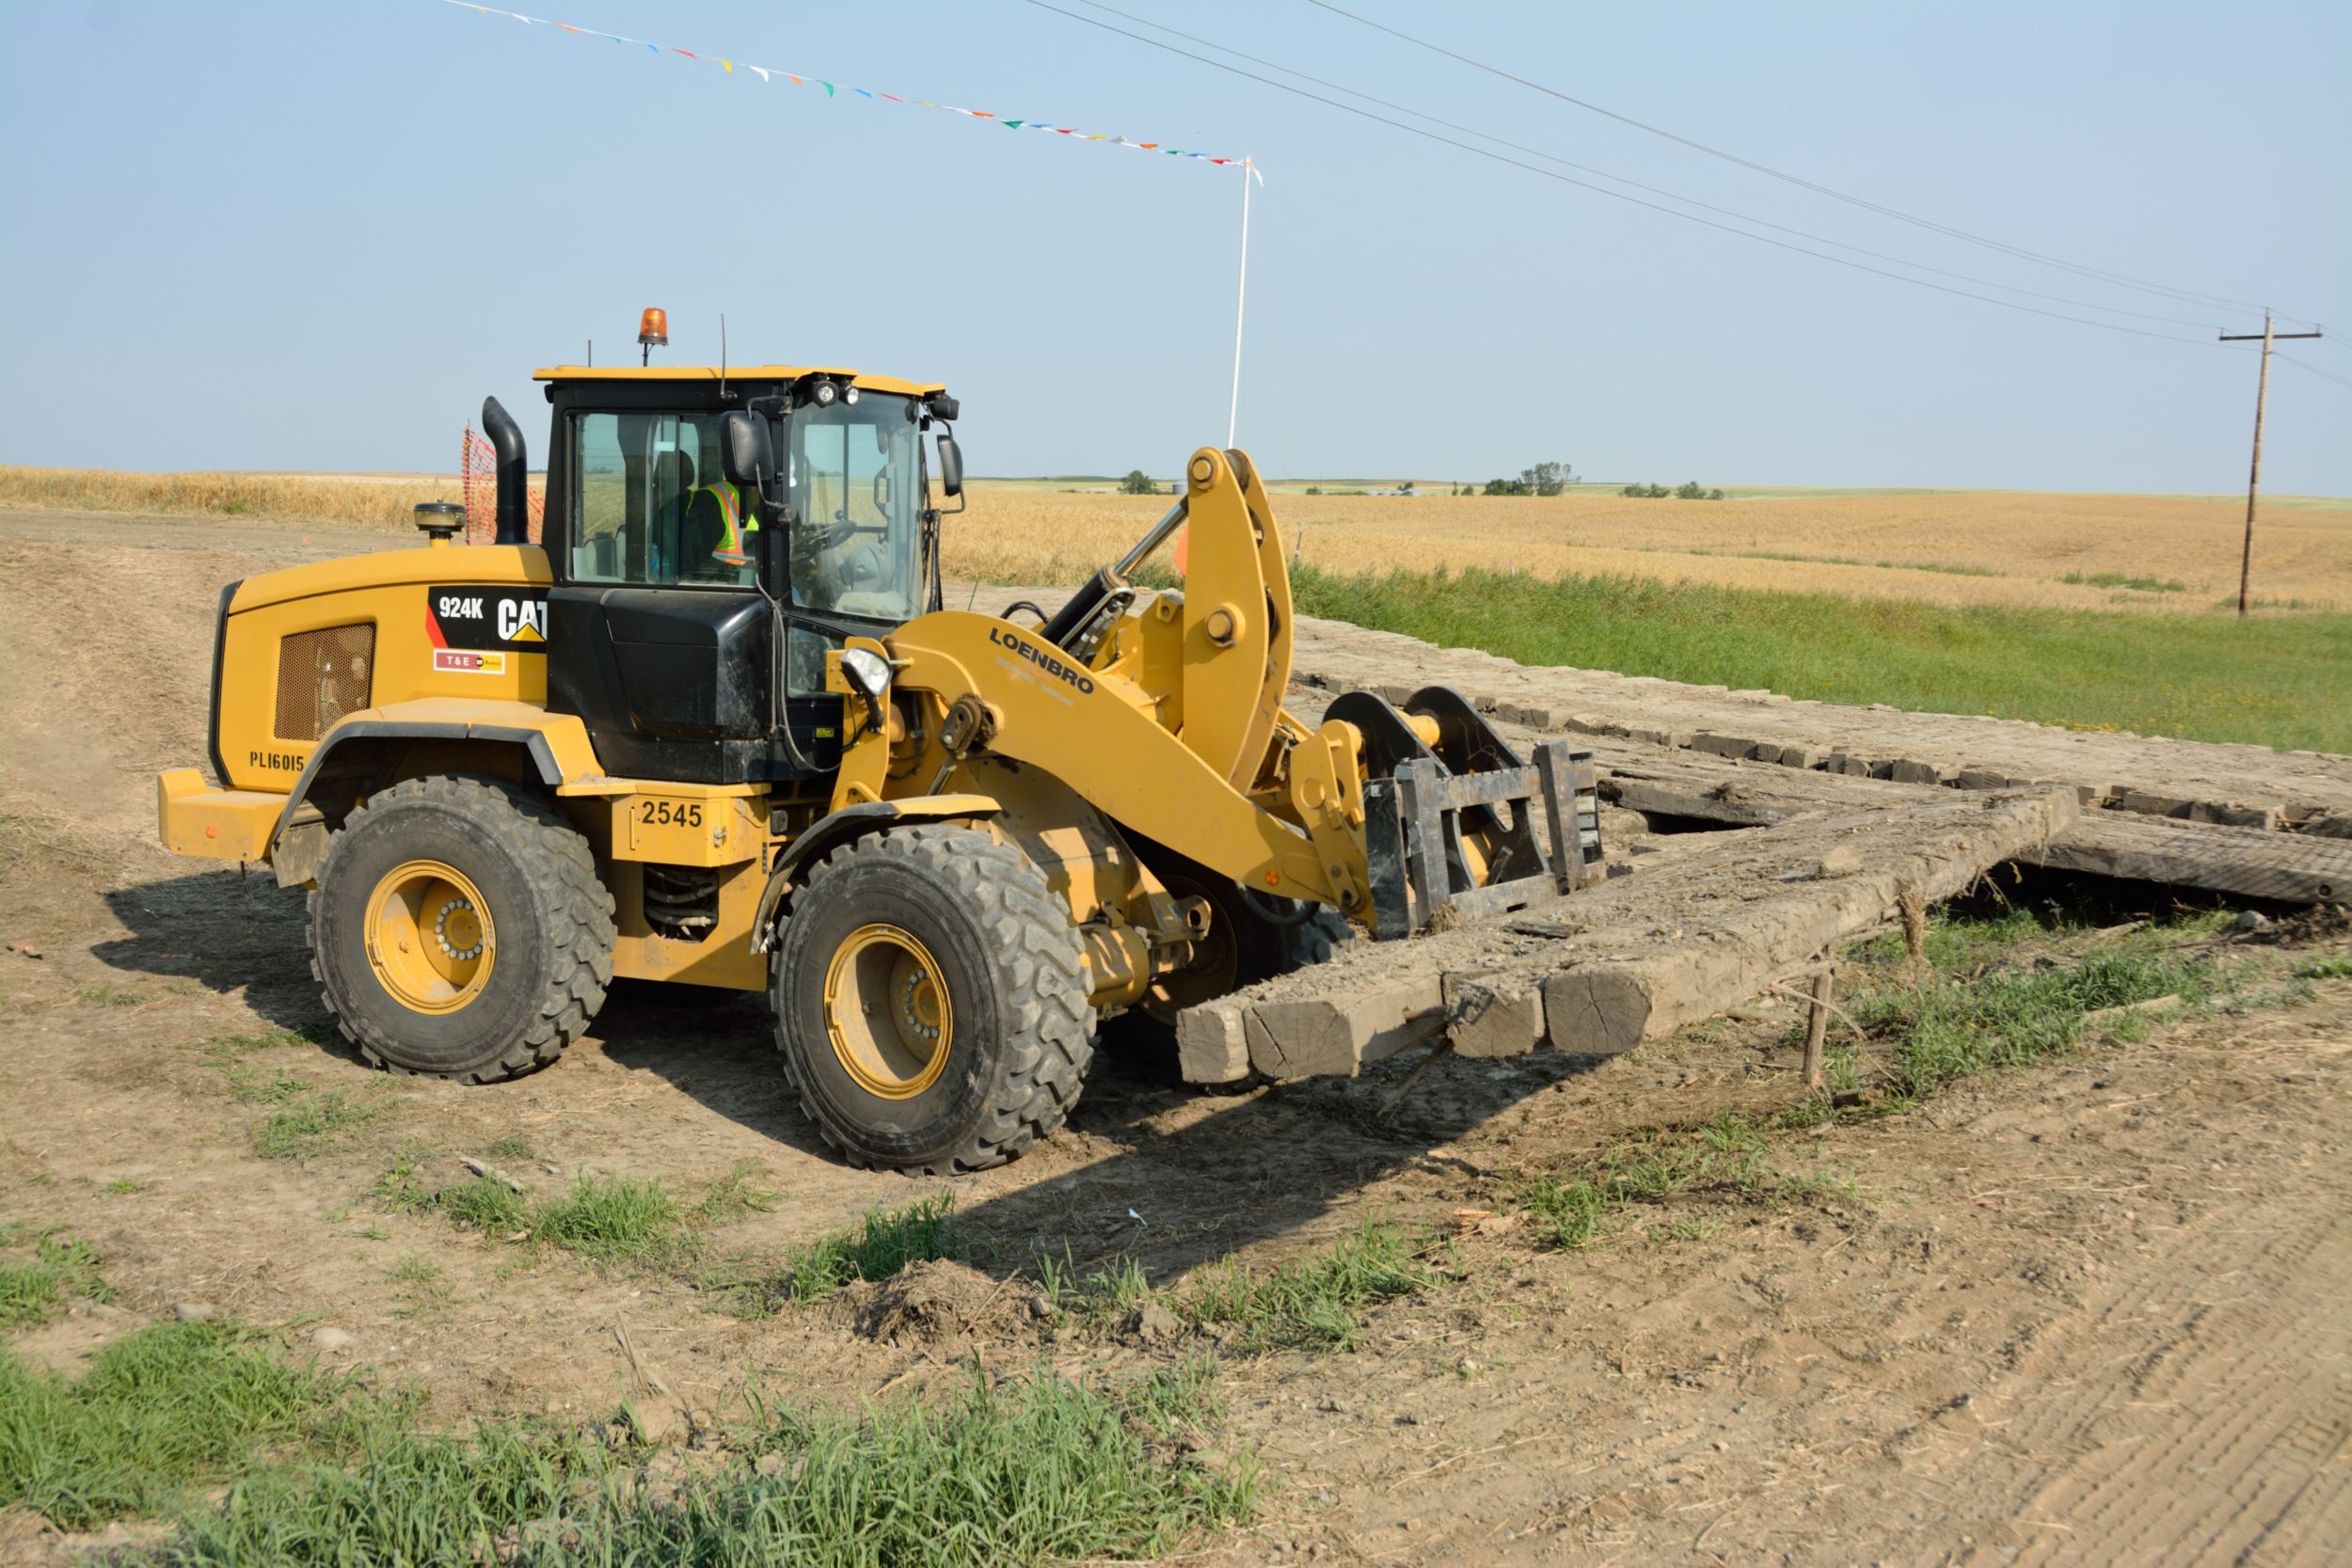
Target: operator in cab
<point>721,526</point>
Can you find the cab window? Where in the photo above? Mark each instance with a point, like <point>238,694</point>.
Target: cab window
<point>651,505</point>
<point>856,483</point>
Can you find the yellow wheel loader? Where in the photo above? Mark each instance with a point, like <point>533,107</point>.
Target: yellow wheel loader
<point>717,729</point>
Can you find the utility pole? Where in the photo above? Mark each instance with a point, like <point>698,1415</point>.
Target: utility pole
<point>2254,481</point>
<point>1241,299</point>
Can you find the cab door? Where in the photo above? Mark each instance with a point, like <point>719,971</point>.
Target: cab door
<point>659,642</point>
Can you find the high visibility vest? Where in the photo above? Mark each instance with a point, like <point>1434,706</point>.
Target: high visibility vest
<point>734,525</point>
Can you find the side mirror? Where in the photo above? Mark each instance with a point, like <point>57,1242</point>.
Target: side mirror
<point>950,466</point>
<point>749,456</point>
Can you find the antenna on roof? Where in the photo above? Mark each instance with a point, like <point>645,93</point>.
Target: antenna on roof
<point>723,357</point>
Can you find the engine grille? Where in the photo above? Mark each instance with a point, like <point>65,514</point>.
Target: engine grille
<point>321,676</point>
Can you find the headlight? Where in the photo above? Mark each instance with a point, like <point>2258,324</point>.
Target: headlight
<point>867,671</point>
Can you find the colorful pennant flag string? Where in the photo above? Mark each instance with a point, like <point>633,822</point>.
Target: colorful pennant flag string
<point>834,89</point>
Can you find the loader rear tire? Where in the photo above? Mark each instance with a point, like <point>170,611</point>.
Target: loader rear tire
<point>458,929</point>
<point>932,1002</point>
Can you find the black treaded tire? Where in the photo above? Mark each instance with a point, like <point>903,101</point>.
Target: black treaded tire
<point>1246,946</point>
<point>1013,968</point>
<point>1314,940</point>
<point>552,916</point>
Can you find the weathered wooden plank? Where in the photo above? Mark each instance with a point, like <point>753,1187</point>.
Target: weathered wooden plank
<point>1488,1014</point>
<point>2292,868</point>
<point>1608,1003</point>
<point>1339,1033</point>
<point>1212,1046</point>
<point>1639,795</point>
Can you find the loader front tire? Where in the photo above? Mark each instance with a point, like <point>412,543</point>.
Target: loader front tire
<point>931,1000</point>
<point>458,929</point>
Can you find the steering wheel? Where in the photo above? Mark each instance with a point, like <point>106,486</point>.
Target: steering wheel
<point>840,531</point>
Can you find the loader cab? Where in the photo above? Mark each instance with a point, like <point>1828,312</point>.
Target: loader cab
<point>691,614</point>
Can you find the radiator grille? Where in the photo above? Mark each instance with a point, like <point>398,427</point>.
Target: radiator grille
<point>321,676</point>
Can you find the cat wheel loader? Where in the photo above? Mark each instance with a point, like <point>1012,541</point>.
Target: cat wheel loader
<point>717,729</point>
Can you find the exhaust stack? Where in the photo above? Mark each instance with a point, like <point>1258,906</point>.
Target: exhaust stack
<point>514,476</point>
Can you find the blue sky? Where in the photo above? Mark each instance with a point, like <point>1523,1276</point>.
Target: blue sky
<point>311,236</point>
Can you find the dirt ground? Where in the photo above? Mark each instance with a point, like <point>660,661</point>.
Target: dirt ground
<point>2088,1313</point>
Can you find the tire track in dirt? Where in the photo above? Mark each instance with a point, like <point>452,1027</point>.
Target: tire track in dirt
<point>2196,1411</point>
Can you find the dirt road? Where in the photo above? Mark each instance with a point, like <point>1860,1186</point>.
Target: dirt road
<point>2084,1313</point>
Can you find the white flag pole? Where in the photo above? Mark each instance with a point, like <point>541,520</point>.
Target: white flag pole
<point>1232,412</point>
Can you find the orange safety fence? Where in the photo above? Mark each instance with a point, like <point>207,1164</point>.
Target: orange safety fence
<point>478,469</point>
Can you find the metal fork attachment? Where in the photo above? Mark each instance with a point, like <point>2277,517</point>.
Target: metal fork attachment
<point>1466,828</point>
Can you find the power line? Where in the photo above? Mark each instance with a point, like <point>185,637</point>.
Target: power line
<point>1565,180</point>
<point>2324,375</point>
<point>2185,295</point>
<point>1636,184</point>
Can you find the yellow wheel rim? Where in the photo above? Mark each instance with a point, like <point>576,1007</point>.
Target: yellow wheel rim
<point>430,939</point>
<point>887,1011</point>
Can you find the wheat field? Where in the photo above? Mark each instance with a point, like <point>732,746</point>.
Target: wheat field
<point>1953,547</point>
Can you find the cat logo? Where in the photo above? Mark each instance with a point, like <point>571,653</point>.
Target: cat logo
<point>523,620</point>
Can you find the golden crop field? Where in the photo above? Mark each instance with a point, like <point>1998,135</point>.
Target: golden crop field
<point>1955,547</point>
<point>370,500</point>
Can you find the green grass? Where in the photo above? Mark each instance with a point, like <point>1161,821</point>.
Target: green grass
<point>1729,1154</point>
<point>244,1045</point>
<point>1955,571</point>
<point>159,1411</point>
<point>2119,579</point>
<point>1951,1029</point>
<point>609,1220</point>
<point>1314,1302</point>
<point>418,1272</point>
<point>1098,1299</point>
<point>249,1086</point>
<point>1985,1002</point>
<point>490,1207</point>
<point>612,1219</point>
<point>1030,1470</point>
<point>300,1128</point>
<point>878,1246</point>
<point>2283,681</point>
<point>34,1289</point>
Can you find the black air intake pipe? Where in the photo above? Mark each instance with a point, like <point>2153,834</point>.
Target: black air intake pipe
<point>514,492</point>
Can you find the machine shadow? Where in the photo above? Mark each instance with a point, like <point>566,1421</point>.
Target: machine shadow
<point>1147,1165</point>
<point>1175,1176</point>
<point>228,931</point>
<point>715,1047</point>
